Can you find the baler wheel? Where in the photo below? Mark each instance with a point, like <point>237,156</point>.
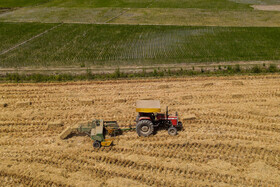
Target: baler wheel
<point>172,131</point>
<point>96,144</point>
<point>144,128</point>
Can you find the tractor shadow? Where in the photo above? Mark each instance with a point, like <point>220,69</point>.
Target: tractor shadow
<point>161,128</point>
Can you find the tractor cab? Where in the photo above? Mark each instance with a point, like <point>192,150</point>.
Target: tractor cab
<point>149,117</point>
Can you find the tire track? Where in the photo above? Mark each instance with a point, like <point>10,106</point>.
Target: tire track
<point>26,41</point>
<point>272,128</point>
<point>59,161</point>
<point>17,178</point>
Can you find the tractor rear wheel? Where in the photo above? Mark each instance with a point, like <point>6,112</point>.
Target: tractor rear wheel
<point>172,131</point>
<point>96,144</point>
<point>144,128</point>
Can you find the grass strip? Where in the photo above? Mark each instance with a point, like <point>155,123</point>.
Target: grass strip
<point>220,71</point>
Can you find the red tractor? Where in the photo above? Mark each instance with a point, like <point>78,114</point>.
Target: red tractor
<point>148,118</point>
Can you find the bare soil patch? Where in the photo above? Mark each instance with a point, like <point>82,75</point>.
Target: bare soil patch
<point>267,7</point>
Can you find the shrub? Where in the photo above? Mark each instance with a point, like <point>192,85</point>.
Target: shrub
<point>161,73</point>
<point>155,73</point>
<point>143,74</point>
<point>272,68</point>
<point>169,71</point>
<point>191,72</point>
<point>117,73</point>
<point>237,68</point>
<point>256,69</point>
<point>83,65</point>
<point>13,77</point>
<point>229,68</point>
<point>131,75</point>
<point>38,77</point>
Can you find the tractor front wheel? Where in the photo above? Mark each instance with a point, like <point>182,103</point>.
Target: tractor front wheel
<point>172,131</point>
<point>144,128</point>
<point>96,144</point>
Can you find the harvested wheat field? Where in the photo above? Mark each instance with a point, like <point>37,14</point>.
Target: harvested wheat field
<point>231,133</point>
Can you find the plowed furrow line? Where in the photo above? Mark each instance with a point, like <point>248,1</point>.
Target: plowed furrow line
<point>191,152</point>
<point>26,142</point>
<point>189,158</point>
<point>231,101</point>
<point>232,115</point>
<point>202,157</point>
<point>61,108</point>
<point>35,98</point>
<point>220,121</point>
<point>185,173</point>
<point>17,178</point>
<point>203,152</point>
<point>59,161</point>
<point>211,148</point>
<point>97,171</point>
<point>195,125</point>
<point>184,133</point>
<point>23,124</point>
<point>262,94</point>
<point>29,153</point>
<point>235,137</point>
<point>196,157</point>
<point>23,129</point>
<point>72,163</point>
<point>30,133</point>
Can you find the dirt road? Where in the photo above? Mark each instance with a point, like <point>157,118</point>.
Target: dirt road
<point>267,7</point>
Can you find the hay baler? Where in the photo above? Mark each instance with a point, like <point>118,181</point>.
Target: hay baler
<point>96,130</point>
<point>148,118</point>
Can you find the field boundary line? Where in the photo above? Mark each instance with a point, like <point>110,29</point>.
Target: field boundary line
<point>32,38</point>
<point>134,69</point>
<point>7,11</point>
<point>139,24</point>
<point>123,12</point>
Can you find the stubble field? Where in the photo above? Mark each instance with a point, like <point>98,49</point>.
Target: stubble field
<point>233,140</point>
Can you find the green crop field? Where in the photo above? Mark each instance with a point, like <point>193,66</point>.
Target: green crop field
<point>205,4</point>
<point>132,32</point>
<point>21,3</point>
<point>14,33</point>
<point>74,44</point>
<point>217,4</point>
<point>211,4</point>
